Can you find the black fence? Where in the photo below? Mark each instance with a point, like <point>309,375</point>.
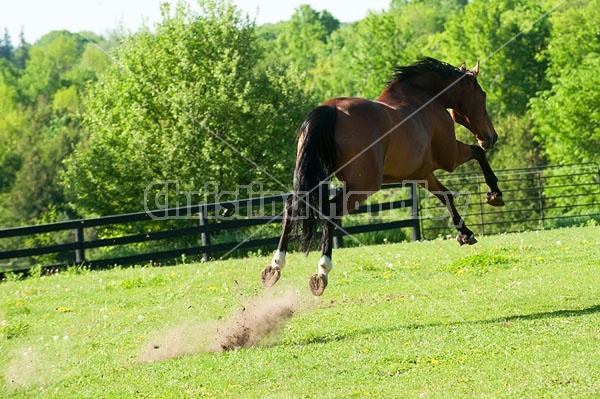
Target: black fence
<point>536,198</point>
<point>166,230</point>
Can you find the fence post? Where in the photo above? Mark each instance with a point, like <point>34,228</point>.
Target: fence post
<point>204,235</point>
<point>80,251</point>
<point>481,210</point>
<point>414,212</point>
<point>541,195</point>
<point>338,241</point>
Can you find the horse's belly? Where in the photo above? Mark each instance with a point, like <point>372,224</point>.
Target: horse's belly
<point>406,158</point>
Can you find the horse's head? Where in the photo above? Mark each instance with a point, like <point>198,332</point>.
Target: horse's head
<point>470,110</point>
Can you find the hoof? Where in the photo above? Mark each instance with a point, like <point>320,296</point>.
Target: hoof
<point>464,239</point>
<point>270,275</point>
<point>317,284</point>
<point>494,199</point>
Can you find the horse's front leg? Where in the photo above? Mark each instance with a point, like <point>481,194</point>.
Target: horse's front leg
<point>467,152</point>
<point>433,185</point>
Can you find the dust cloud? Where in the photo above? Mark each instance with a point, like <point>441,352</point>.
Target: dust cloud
<point>257,322</point>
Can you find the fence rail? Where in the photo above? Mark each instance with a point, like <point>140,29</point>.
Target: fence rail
<point>535,198</point>
<point>76,250</point>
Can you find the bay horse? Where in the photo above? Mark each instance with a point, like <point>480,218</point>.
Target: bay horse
<point>404,135</point>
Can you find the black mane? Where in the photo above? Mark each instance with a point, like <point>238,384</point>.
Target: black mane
<point>426,65</point>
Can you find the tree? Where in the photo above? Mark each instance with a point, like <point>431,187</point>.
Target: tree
<point>361,56</point>
<point>21,53</point>
<point>50,61</point>
<point>12,122</point>
<point>573,36</point>
<point>6,47</point>
<point>567,117</point>
<point>301,40</point>
<point>39,122</point>
<point>186,103</point>
<point>299,43</point>
<point>508,37</point>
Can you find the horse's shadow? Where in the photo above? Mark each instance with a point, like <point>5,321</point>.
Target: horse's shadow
<point>341,336</point>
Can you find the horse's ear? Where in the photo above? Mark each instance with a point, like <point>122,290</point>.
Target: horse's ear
<point>462,67</point>
<point>475,70</point>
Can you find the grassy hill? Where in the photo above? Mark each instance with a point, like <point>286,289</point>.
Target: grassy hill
<point>515,316</point>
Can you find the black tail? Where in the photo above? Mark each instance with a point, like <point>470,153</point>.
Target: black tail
<point>314,165</point>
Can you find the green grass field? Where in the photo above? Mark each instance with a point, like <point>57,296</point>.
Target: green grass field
<point>515,316</point>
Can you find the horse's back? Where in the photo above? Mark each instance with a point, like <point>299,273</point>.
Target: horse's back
<point>377,142</point>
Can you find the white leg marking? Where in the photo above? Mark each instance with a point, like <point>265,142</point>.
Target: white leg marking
<point>278,259</point>
<point>325,265</point>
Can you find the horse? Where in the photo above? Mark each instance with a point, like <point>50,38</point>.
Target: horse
<point>406,134</point>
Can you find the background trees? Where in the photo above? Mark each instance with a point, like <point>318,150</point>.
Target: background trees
<point>40,97</point>
<point>84,133</point>
<point>361,56</point>
<point>185,103</point>
<point>508,38</point>
<point>567,116</point>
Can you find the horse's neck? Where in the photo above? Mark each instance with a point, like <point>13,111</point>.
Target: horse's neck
<point>409,92</point>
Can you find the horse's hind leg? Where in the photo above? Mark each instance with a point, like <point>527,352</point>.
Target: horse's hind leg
<point>344,204</point>
<point>318,281</point>
<point>271,273</point>
<point>433,185</point>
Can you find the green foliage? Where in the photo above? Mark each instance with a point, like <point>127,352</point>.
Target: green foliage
<point>11,121</point>
<point>6,47</point>
<point>567,117</point>
<point>302,40</point>
<point>508,37</point>
<point>299,43</point>
<point>517,146</point>
<point>188,104</point>
<point>361,56</point>
<point>574,35</point>
<point>39,121</point>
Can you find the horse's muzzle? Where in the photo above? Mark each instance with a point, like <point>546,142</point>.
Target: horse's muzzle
<point>486,144</point>
<point>489,142</point>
